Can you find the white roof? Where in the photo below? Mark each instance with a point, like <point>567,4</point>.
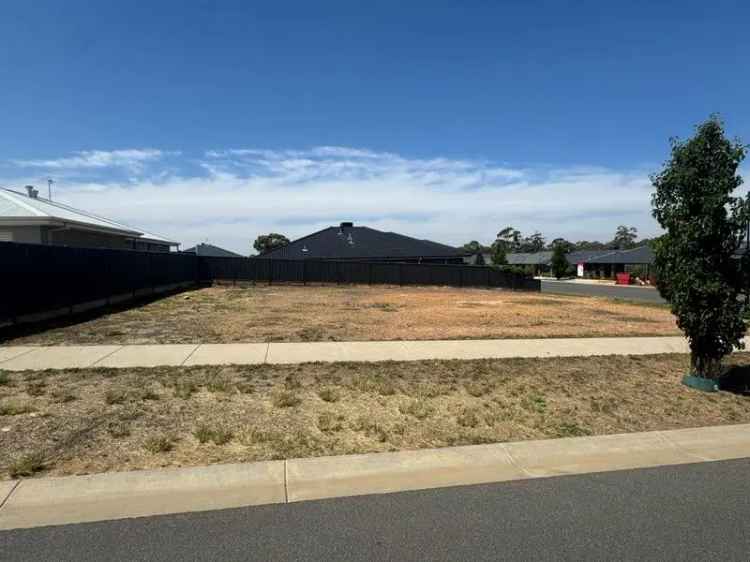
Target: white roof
<point>19,208</point>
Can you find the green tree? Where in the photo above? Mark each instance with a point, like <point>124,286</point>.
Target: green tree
<point>267,242</point>
<point>704,224</point>
<point>559,263</point>
<point>499,255</point>
<point>533,243</point>
<point>509,238</point>
<point>625,237</point>
<point>569,246</point>
<point>474,247</point>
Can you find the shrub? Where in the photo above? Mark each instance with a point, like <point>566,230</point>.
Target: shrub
<point>4,378</point>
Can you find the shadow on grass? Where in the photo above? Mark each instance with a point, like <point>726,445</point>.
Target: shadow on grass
<point>14,331</point>
<point>736,380</point>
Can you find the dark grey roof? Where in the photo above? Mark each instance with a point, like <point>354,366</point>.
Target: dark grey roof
<point>360,242</point>
<point>584,256</point>
<point>640,255</point>
<point>211,251</point>
<point>535,258</point>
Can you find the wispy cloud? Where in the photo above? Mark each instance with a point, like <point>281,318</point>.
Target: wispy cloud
<point>131,159</point>
<point>230,196</point>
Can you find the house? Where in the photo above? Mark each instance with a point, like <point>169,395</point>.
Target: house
<point>361,243</point>
<point>29,218</point>
<point>609,263</point>
<point>590,263</point>
<point>211,251</point>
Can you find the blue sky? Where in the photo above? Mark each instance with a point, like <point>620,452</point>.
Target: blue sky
<point>447,120</point>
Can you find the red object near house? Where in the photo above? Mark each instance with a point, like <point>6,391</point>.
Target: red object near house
<point>623,279</point>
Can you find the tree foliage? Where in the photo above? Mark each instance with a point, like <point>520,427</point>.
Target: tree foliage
<point>625,237</point>
<point>474,247</point>
<point>267,242</point>
<point>559,263</point>
<point>704,222</point>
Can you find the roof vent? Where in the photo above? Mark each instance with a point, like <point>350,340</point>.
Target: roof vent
<point>32,191</point>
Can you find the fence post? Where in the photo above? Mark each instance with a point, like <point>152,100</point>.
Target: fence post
<point>304,272</point>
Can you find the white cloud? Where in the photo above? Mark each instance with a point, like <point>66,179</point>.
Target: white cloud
<point>240,193</point>
<point>131,159</point>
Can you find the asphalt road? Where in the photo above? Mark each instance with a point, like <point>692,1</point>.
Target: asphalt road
<point>690,512</point>
<point>612,291</point>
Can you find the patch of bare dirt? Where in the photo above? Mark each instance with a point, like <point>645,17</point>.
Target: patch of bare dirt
<point>354,313</point>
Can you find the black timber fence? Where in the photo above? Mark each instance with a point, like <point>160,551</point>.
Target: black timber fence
<point>38,281</point>
<point>373,273</point>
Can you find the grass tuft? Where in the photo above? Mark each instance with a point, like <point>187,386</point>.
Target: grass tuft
<point>159,444</point>
<point>28,465</point>
<point>329,394</point>
<point>219,435</point>
<point>15,408</point>
<point>286,399</point>
<point>115,396</point>
<point>4,378</point>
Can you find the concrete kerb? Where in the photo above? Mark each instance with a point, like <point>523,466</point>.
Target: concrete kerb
<point>52,501</point>
<point>78,499</point>
<point>60,357</point>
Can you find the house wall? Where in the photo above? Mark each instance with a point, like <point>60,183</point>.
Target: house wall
<point>24,234</point>
<point>74,238</point>
<point>87,239</point>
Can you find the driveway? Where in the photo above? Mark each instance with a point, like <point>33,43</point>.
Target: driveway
<point>687,512</point>
<point>642,294</point>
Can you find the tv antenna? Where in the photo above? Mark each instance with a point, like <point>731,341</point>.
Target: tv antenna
<point>50,181</point>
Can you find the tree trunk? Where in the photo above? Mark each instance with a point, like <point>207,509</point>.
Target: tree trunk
<point>705,367</point>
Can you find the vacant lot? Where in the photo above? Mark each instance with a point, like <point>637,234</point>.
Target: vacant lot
<point>352,313</point>
<point>74,422</point>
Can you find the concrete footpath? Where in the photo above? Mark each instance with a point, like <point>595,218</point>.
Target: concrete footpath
<point>17,358</point>
<point>76,499</point>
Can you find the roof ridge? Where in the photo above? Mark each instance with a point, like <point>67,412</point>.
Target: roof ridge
<point>296,240</point>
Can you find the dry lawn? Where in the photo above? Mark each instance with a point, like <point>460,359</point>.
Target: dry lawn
<point>355,313</point>
<point>95,420</point>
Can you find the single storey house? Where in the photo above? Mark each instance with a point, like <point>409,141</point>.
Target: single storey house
<point>29,218</point>
<point>590,263</point>
<point>211,251</point>
<point>360,243</point>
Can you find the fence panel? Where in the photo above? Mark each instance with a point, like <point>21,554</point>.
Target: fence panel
<point>360,272</point>
<point>37,278</point>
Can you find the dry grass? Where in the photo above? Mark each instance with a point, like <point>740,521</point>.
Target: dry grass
<point>281,411</point>
<point>356,313</point>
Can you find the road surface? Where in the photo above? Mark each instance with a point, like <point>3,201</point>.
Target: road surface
<point>643,294</point>
<point>689,512</point>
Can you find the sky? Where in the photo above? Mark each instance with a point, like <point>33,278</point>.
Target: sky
<point>220,121</point>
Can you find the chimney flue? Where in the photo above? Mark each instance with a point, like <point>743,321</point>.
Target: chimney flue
<point>32,191</point>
